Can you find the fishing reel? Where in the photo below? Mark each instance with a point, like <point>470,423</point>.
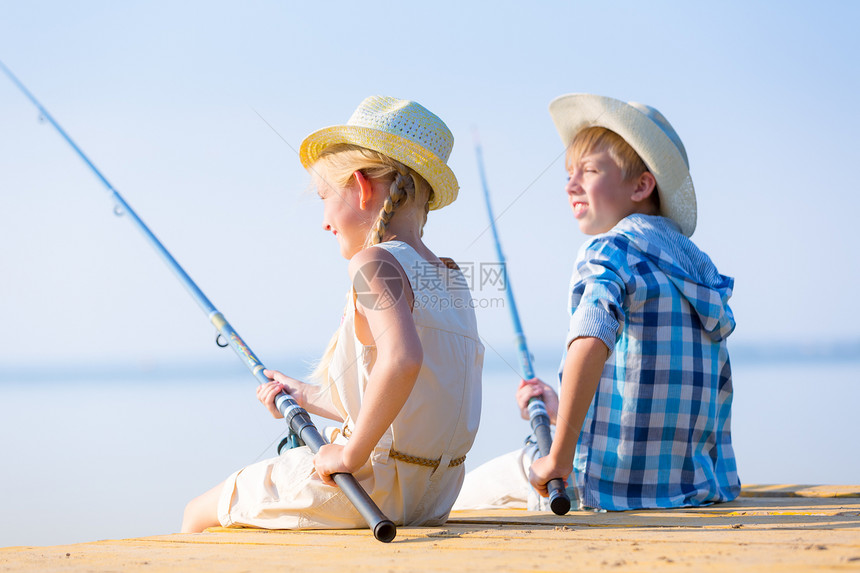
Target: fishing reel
<point>290,441</point>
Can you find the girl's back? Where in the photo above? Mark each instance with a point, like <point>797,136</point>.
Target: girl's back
<point>439,420</point>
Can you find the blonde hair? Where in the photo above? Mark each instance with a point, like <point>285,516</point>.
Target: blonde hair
<point>407,189</point>
<point>596,139</point>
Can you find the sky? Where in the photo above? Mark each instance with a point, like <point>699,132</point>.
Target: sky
<point>193,111</point>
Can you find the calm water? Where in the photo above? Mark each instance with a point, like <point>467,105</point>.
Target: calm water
<point>88,459</point>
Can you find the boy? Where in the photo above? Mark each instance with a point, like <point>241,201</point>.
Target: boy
<point>643,419</point>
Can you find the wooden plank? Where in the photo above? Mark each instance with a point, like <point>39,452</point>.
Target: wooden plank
<point>501,548</point>
<point>790,533</point>
<point>790,490</point>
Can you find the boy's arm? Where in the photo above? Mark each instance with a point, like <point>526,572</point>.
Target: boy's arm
<point>583,366</point>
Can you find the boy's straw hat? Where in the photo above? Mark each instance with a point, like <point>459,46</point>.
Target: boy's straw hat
<point>401,129</point>
<point>648,133</point>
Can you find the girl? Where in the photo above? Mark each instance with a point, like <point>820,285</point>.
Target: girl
<point>403,372</point>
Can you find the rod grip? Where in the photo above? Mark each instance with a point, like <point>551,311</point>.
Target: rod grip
<point>559,502</point>
<point>383,528</point>
<point>300,422</point>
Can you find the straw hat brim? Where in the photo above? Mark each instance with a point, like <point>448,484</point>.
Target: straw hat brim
<point>574,112</point>
<point>424,162</point>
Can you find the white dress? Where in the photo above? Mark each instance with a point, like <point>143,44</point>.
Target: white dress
<point>437,423</point>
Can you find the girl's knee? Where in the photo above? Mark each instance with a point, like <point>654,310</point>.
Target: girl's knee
<point>189,517</point>
<point>200,513</point>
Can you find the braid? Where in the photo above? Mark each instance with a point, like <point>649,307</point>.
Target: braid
<point>340,162</point>
<point>401,190</point>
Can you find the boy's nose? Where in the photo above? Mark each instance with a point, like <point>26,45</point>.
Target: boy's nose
<point>572,186</point>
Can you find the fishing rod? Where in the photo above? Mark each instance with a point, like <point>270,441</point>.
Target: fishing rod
<point>296,417</point>
<point>559,502</point>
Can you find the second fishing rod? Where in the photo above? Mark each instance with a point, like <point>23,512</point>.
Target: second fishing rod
<point>559,501</point>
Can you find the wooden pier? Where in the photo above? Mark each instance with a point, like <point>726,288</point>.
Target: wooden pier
<point>769,528</point>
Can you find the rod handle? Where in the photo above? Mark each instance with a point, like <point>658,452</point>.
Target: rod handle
<point>300,422</point>
<point>383,528</point>
<point>559,501</point>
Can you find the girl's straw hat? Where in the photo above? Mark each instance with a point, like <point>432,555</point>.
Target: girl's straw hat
<point>401,129</point>
<point>648,133</point>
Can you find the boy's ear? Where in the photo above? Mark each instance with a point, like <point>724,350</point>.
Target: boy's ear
<point>365,188</point>
<point>646,184</point>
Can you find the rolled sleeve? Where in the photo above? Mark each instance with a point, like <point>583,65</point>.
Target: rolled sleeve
<point>593,322</point>
<point>597,292</point>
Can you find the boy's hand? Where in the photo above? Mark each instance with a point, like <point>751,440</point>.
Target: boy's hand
<point>546,468</point>
<point>329,460</point>
<point>535,387</point>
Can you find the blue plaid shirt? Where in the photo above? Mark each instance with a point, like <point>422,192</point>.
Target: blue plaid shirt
<point>658,432</point>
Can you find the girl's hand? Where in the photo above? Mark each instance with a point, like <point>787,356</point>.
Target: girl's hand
<point>280,383</point>
<point>266,395</point>
<point>546,468</point>
<point>535,387</point>
<point>329,460</point>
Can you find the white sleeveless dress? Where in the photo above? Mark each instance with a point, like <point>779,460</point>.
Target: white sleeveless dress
<point>437,424</point>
